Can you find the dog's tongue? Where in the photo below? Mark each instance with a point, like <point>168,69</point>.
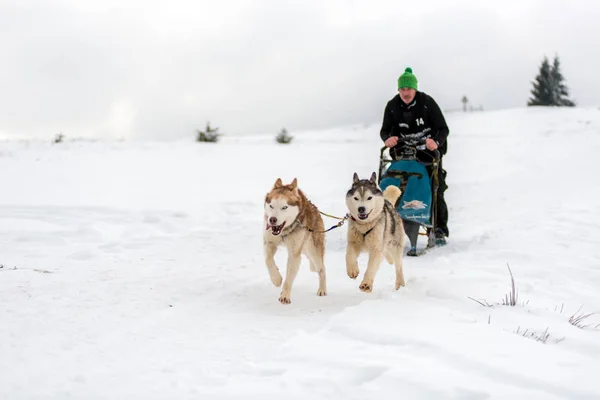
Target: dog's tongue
<point>275,228</point>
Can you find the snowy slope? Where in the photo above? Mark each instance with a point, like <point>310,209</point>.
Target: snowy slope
<point>135,270</point>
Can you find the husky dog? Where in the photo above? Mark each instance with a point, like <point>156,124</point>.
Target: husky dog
<point>294,222</point>
<point>374,227</point>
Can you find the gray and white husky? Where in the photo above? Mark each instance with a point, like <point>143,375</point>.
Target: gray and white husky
<point>374,227</point>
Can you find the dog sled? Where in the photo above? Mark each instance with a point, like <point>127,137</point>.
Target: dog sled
<point>417,204</point>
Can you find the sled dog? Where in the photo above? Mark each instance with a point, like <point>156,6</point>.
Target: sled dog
<point>374,227</point>
<point>292,221</point>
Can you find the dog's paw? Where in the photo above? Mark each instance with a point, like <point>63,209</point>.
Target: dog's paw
<point>284,299</point>
<point>322,292</point>
<point>276,278</point>
<point>352,271</point>
<point>400,284</point>
<point>366,287</point>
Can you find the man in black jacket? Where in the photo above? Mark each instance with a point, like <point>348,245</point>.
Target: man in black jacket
<point>413,116</point>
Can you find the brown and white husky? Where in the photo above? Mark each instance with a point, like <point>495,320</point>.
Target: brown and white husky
<point>292,221</point>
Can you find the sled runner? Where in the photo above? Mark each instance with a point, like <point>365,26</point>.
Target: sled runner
<point>417,204</point>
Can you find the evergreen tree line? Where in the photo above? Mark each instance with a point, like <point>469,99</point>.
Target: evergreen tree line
<point>549,89</point>
<point>212,135</point>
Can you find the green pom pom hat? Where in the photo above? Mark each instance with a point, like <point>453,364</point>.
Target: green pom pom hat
<point>407,79</point>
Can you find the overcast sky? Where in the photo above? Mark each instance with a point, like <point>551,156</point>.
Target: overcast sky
<point>132,68</point>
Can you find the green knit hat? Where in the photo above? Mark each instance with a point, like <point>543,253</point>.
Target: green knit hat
<point>407,79</point>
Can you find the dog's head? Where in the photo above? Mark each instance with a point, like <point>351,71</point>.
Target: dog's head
<point>364,199</point>
<point>282,206</point>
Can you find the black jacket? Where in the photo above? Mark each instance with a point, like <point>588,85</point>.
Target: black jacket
<point>421,118</point>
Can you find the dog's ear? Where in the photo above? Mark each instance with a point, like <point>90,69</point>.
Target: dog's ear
<point>355,178</point>
<point>294,184</point>
<point>373,177</point>
<point>278,183</point>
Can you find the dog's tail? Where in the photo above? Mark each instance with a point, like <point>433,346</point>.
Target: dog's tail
<point>392,194</point>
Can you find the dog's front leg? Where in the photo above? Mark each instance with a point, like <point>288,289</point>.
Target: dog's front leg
<point>375,258</point>
<point>352,253</point>
<point>270,249</point>
<point>292,269</point>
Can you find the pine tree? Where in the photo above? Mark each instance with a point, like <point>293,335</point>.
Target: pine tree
<point>561,92</point>
<point>549,88</point>
<point>283,137</point>
<point>542,92</point>
<point>209,135</point>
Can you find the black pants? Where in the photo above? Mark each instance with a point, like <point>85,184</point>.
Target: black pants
<point>441,222</point>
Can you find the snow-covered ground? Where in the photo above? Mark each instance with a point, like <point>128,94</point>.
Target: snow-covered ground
<point>134,270</point>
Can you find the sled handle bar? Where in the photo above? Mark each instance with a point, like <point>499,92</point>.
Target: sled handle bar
<point>436,152</point>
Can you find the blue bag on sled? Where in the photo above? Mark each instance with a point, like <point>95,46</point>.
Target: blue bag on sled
<point>415,201</point>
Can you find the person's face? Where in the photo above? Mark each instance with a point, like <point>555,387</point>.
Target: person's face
<point>407,94</point>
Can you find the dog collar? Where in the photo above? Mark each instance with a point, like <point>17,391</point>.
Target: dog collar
<point>291,228</point>
<point>367,232</point>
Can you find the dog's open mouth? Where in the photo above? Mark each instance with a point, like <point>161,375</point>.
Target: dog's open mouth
<point>276,229</point>
<point>364,216</point>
